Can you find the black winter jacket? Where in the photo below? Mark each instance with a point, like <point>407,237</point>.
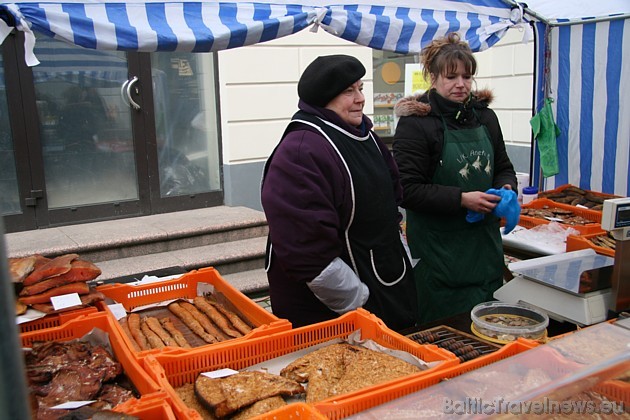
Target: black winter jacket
<point>418,146</point>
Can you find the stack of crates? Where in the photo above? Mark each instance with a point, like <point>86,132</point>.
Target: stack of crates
<point>153,402</point>
<point>157,373</point>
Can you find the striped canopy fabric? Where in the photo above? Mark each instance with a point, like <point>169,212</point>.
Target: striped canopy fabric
<point>585,70</point>
<point>202,26</point>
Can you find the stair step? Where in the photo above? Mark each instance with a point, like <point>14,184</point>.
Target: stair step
<point>230,239</point>
<point>139,236</point>
<point>251,281</point>
<point>227,258</point>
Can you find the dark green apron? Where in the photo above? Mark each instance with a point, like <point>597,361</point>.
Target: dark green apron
<point>461,263</point>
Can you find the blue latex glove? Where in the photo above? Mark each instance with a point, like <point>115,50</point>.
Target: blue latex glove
<point>507,208</point>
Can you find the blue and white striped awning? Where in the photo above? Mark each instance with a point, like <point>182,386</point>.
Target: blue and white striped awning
<point>201,26</point>
<point>588,77</point>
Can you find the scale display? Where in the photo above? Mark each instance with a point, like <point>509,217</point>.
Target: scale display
<point>623,216</point>
<point>586,274</point>
<point>616,214</point>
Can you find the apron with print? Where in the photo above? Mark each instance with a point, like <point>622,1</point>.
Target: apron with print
<point>461,263</point>
<point>373,248</point>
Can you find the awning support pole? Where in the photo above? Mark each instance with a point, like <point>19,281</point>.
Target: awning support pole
<point>13,392</point>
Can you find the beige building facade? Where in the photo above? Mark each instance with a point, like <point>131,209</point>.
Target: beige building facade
<point>258,96</point>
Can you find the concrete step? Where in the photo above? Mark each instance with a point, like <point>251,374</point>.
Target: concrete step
<point>140,236</point>
<point>228,258</point>
<point>251,281</point>
<point>230,239</point>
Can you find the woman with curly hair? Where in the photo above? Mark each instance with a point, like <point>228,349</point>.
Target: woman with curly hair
<point>450,150</point>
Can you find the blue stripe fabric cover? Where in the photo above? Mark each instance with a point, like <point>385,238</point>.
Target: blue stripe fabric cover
<point>407,30</point>
<point>165,26</point>
<point>202,26</point>
<point>589,82</point>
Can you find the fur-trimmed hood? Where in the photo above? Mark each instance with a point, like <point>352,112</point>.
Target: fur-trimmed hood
<point>419,105</point>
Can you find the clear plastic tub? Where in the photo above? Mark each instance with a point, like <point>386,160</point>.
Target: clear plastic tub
<point>503,322</point>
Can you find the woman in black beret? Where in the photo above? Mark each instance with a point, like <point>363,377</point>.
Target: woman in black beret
<point>330,192</point>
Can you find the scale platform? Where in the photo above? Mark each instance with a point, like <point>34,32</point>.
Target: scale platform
<point>574,286</point>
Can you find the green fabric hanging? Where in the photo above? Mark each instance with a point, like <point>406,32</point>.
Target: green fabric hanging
<point>545,132</point>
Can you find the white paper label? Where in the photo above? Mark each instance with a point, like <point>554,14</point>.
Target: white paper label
<point>118,310</point>
<point>70,405</point>
<point>65,301</point>
<point>221,373</point>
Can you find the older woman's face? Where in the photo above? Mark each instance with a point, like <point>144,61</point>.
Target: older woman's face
<point>454,85</point>
<point>349,104</point>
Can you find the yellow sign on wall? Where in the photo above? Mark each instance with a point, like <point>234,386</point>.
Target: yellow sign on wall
<point>414,80</point>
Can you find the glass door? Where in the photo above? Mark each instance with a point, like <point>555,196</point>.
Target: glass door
<point>85,127</point>
<point>186,122</point>
<point>97,135</point>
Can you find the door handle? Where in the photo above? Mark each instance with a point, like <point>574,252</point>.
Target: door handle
<point>123,92</point>
<point>130,83</point>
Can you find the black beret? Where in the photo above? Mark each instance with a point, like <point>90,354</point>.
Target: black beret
<point>327,76</point>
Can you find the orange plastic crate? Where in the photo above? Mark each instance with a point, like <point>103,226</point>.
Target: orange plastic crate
<point>576,243</point>
<point>565,186</point>
<point>154,406</point>
<point>293,411</point>
<point>186,287</point>
<point>349,405</point>
<point>79,327</point>
<point>615,390</point>
<point>530,222</point>
<point>55,320</point>
<point>174,370</point>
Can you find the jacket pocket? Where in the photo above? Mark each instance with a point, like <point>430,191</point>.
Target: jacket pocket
<point>388,265</point>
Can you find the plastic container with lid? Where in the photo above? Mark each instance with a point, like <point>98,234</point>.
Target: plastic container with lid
<point>522,179</point>
<point>502,322</point>
<point>529,194</point>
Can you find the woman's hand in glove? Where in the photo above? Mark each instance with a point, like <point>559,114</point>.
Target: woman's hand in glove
<point>480,202</point>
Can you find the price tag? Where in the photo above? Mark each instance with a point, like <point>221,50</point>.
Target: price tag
<point>65,301</point>
<point>221,373</point>
<point>118,310</point>
<point>70,405</point>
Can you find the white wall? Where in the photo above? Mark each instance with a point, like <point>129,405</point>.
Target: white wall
<point>258,96</point>
<point>507,69</point>
<point>258,88</point>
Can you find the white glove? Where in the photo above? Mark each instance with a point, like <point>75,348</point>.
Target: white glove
<point>339,288</point>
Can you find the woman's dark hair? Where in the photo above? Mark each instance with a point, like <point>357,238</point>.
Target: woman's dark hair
<point>443,54</point>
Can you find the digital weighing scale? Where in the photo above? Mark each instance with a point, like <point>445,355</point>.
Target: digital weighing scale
<point>580,286</point>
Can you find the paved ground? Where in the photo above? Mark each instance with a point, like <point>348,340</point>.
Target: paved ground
<point>263,301</point>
